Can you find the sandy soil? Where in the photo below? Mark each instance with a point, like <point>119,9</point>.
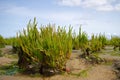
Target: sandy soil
<point>6,59</point>
<point>75,64</point>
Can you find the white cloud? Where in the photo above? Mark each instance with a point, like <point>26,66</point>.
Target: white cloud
<point>66,17</point>
<point>93,3</point>
<point>60,18</point>
<point>70,2</point>
<point>99,5</point>
<point>105,8</point>
<point>117,7</point>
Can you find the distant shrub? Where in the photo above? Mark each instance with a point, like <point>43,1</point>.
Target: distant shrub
<point>2,42</point>
<point>89,47</point>
<point>1,53</point>
<point>115,41</point>
<point>9,41</point>
<point>80,41</point>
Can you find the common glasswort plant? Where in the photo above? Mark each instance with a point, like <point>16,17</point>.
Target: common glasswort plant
<point>44,47</point>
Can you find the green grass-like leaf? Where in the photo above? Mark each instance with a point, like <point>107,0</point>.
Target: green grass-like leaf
<point>82,73</point>
<point>9,69</point>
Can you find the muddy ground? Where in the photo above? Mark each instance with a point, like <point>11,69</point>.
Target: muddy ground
<point>79,68</point>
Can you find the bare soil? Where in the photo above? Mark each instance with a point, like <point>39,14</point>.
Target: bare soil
<point>79,68</point>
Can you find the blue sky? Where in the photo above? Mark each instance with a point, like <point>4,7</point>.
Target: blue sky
<point>95,16</point>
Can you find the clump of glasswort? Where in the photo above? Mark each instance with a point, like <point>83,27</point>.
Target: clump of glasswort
<point>44,47</point>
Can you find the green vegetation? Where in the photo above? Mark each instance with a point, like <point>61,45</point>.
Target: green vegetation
<point>115,53</point>
<point>49,47</point>
<point>108,63</point>
<point>1,53</point>
<point>12,41</point>
<point>2,42</point>
<point>80,41</point>
<point>98,42</point>
<point>82,73</point>
<point>9,69</point>
<point>89,47</point>
<point>115,41</point>
<point>9,41</point>
<point>11,56</point>
<point>46,47</point>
